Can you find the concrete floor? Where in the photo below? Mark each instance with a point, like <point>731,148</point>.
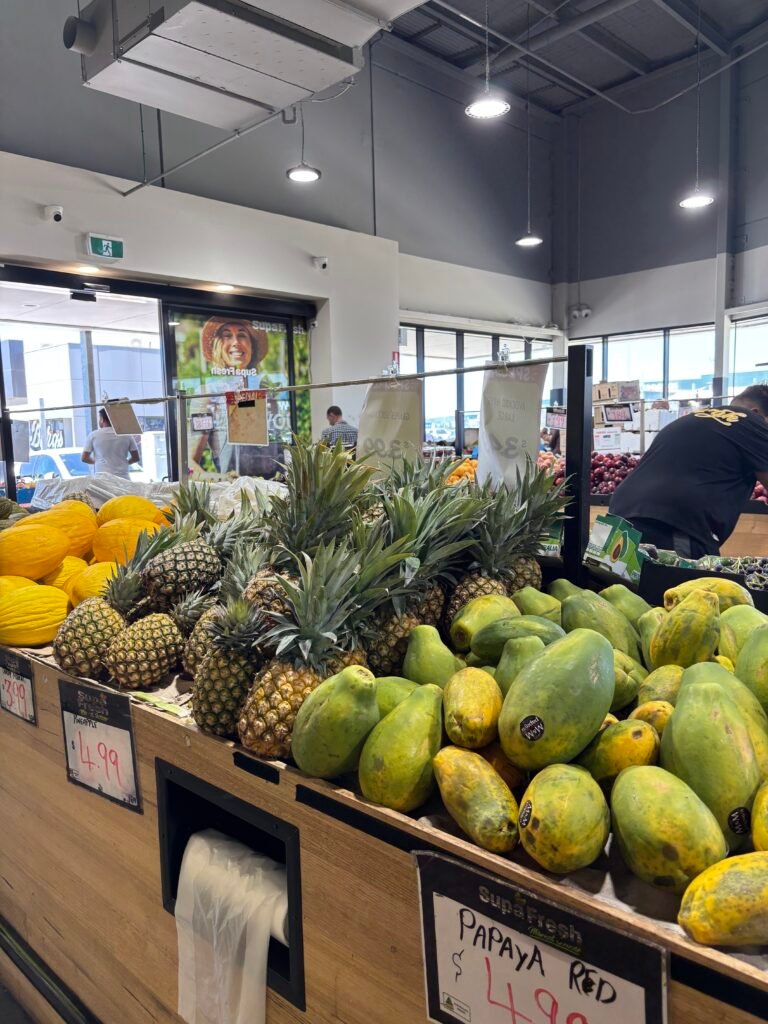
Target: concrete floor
<point>10,1011</point>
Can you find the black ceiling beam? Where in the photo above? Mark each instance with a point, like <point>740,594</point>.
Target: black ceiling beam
<point>423,32</point>
<point>686,14</point>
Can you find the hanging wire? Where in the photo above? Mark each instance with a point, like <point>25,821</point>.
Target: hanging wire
<point>528,108</point>
<point>578,210</point>
<point>487,53</point>
<point>698,91</point>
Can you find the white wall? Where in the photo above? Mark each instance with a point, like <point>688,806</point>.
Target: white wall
<point>673,296</point>
<point>751,276</point>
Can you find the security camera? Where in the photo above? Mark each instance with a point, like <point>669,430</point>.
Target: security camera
<point>580,312</point>
<point>320,262</point>
<point>54,214</point>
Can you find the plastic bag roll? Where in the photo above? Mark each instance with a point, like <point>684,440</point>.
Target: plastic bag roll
<point>230,901</point>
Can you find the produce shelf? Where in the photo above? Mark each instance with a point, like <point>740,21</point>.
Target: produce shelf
<point>82,884</point>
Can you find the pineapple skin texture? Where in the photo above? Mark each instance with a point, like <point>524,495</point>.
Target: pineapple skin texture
<point>198,644</point>
<point>526,572</point>
<point>144,653</point>
<point>85,636</point>
<point>220,690</point>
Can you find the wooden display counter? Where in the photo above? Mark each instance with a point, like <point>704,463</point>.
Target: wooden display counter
<point>85,885</point>
<point>749,538</point>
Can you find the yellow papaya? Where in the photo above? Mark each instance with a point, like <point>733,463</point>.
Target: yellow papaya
<point>514,777</point>
<point>726,904</point>
<point>689,633</point>
<point>477,798</point>
<point>628,675</point>
<point>760,819</point>
<point>655,712</point>
<point>619,746</point>
<point>396,761</point>
<point>471,706</point>
<point>752,664</point>
<point>729,593</point>
<point>608,720</point>
<point>661,684</point>
<point>666,834</point>
<point>564,820</point>
<point>647,625</point>
<point>737,624</point>
<point>725,662</point>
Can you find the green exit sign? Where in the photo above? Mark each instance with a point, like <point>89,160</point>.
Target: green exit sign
<point>105,248</point>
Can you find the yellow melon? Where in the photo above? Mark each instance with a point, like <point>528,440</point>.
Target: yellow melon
<point>117,539</point>
<point>32,551</point>
<point>78,527</point>
<point>129,506</point>
<point>32,616</point>
<point>63,573</point>
<point>90,582</point>
<point>10,583</point>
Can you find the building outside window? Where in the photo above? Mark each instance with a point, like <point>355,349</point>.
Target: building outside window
<point>691,363</point>
<point>749,355</point>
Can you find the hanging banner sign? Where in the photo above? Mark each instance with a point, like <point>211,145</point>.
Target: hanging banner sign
<point>17,694</point>
<point>247,417</point>
<point>495,954</point>
<point>98,742</point>
<point>510,414</point>
<point>390,423</point>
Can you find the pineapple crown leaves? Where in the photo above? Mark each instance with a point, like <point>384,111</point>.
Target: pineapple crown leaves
<point>246,560</point>
<point>187,612</point>
<point>236,628</point>
<point>323,486</point>
<point>419,475</point>
<point>516,519</point>
<point>126,588</point>
<point>194,500</point>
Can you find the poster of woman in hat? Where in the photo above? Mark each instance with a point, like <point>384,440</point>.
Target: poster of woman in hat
<point>232,347</point>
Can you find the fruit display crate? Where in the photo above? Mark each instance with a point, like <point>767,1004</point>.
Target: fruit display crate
<point>87,885</point>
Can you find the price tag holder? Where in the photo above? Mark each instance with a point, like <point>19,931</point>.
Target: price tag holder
<point>99,744</point>
<point>495,954</point>
<point>17,692</point>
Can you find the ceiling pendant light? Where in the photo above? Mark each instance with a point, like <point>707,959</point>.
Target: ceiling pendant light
<point>529,239</point>
<point>487,106</point>
<point>699,198</point>
<point>303,173</point>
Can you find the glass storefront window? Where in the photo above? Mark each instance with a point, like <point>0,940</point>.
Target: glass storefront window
<point>478,350</point>
<point>750,349</point>
<point>440,393</point>
<point>691,362</point>
<point>638,357</point>
<point>407,350</point>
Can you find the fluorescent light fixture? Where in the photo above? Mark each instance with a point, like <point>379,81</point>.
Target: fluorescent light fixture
<point>529,240</point>
<point>174,323</point>
<point>223,287</point>
<point>87,269</point>
<point>487,107</point>
<point>303,173</point>
<point>696,200</point>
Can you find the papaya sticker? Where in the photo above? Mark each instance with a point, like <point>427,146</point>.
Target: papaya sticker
<point>525,814</point>
<point>532,728</point>
<point>740,821</point>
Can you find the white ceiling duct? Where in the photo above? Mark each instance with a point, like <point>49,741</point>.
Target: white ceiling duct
<point>229,63</point>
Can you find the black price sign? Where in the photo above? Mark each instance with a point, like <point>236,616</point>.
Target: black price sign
<point>17,693</point>
<point>495,954</point>
<point>98,740</point>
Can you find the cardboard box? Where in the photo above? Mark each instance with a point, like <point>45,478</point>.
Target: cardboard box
<point>604,392</point>
<point>628,390</point>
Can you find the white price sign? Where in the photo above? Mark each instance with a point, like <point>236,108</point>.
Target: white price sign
<point>510,413</point>
<point>390,423</point>
<point>17,694</point>
<point>98,741</point>
<point>495,954</point>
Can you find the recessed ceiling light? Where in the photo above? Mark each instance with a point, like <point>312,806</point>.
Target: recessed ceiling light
<point>223,287</point>
<point>303,174</point>
<point>29,305</point>
<point>87,269</point>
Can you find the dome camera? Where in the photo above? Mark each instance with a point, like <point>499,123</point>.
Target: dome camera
<point>53,214</point>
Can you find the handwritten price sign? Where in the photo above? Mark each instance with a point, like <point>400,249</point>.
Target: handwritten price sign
<point>493,954</point>
<point>17,695</point>
<point>98,740</point>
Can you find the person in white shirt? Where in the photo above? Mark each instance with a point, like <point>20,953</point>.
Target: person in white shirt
<point>109,452</point>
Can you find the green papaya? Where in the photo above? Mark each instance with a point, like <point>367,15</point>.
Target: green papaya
<point>628,675</point>
<point>564,820</point>
<point>427,659</point>
<point>690,631</point>
<point>477,798</point>
<point>752,664</point>
<point>334,722</point>
<point>647,625</point>
<point>729,593</point>
<point>706,743</point>
<point>515,654</point>
<point>558,701</point>
<point>472,661</point>
<point>661,684</point>
<point>531,601</point>
<point>666,834</point>
<point>390,691</point>
<point>563,588</point>
<point>619,746</point>
<point>396,760</point>
<point>471,706</point>
<point>489,642</point>
<point>755,718</point>
<point>477,613</point>
<point>490,669</point>
<point>737,624</point>
<point>589,611</point>
<point>630,604</point>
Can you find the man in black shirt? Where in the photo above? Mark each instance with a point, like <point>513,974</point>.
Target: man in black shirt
<point>688,490</point>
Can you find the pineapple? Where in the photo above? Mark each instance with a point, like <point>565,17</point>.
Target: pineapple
<point>437,525</point>
<point>224,675</point>
<point>125,591</point>
<point>503,557</point>
<point>331,606</point>
<point>145,652</point>
<point>198,643</point>
<point>85,636</point>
